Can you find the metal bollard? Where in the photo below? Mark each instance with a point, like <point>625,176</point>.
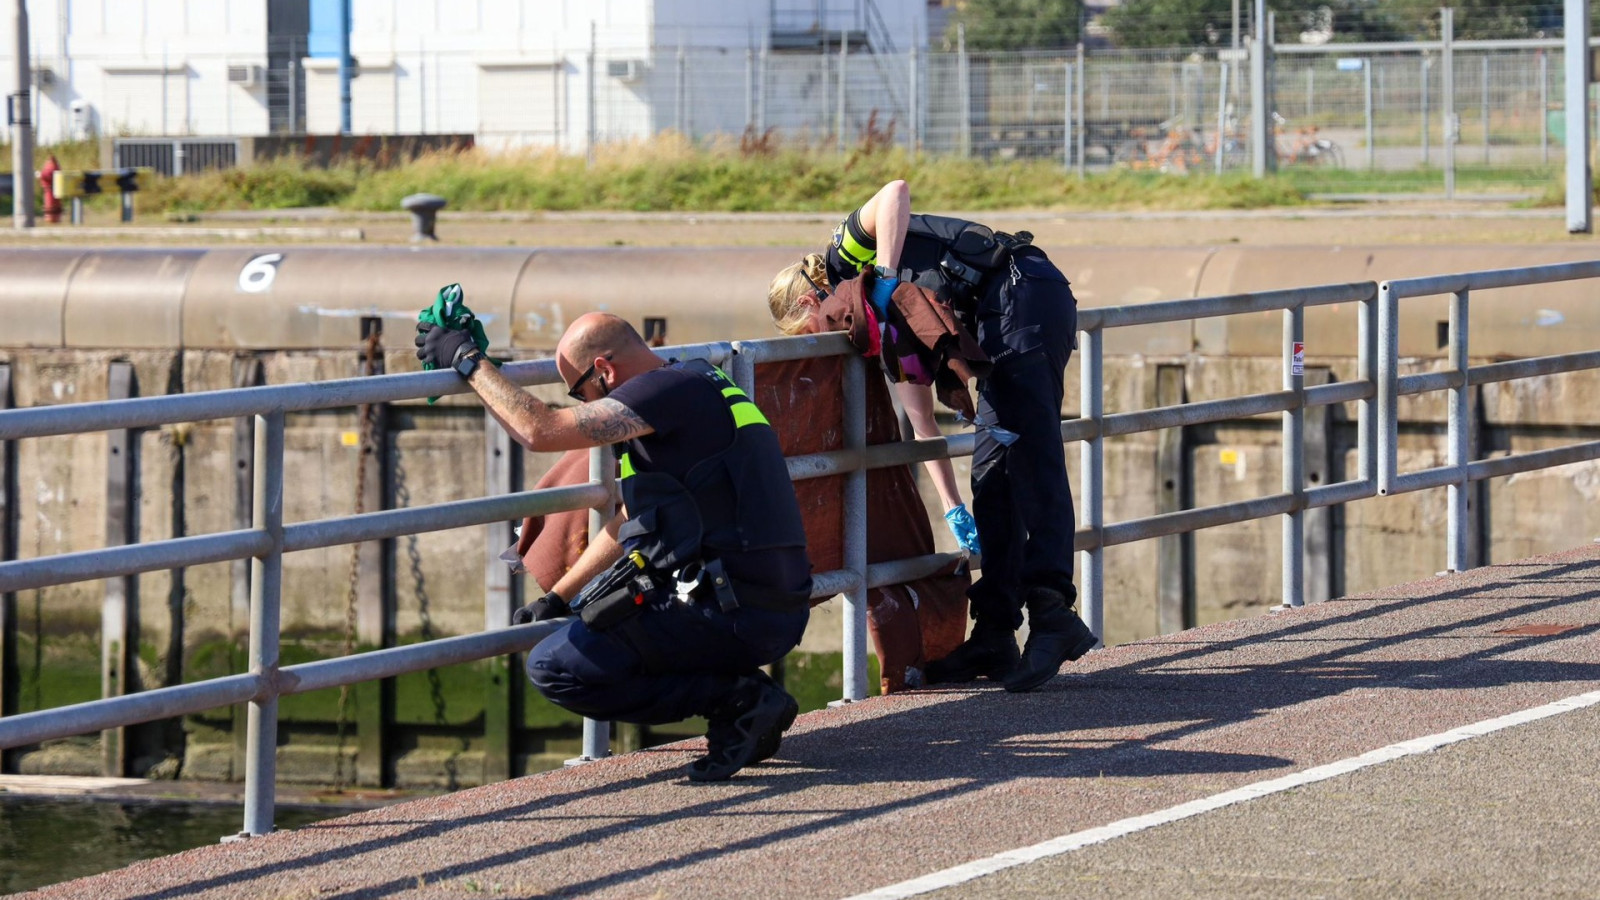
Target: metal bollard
<point>423,208</point>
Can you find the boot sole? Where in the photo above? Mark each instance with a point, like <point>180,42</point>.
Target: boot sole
<point>1075,652</point>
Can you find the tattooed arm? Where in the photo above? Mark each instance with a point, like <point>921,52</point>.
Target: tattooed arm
<point>538,427</point>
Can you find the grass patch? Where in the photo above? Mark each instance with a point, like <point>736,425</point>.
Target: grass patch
<point>671,174</point>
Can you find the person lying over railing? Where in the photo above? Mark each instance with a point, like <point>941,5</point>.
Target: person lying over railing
<point>947,298</point>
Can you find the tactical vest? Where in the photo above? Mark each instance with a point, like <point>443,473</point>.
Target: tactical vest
<point>957,260</point>
<point>737,500</point>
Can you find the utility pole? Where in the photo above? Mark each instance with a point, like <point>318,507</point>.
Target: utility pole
<point>1580,201</point>
<point>22,128</point>
<point>344,66</point>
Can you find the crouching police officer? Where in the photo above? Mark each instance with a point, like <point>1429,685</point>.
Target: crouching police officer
<point>707,499</point>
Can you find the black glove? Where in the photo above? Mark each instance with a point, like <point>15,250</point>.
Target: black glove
<point>550,606</point>
<point>442,348</point>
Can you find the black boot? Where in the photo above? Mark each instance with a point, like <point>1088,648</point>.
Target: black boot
<point>990,652</point>
<point>1055,635</point>
<point>747,724</point>
<point>768,746</point>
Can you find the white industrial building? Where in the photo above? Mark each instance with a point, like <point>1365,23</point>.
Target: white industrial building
<point>509,72</point>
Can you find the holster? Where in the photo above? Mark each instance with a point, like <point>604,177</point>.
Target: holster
<point>618,595</point>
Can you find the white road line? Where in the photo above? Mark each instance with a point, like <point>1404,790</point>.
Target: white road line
<point>1069,842</point>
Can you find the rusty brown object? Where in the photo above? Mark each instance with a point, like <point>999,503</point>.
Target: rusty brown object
<point>912,623</point>
<point>550,545</point>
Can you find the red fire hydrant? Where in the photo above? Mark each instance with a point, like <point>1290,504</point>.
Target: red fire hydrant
<point>47,182</point>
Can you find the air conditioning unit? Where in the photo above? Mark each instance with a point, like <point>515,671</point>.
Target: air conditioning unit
<point>249,76</point>
<point>629,70</point>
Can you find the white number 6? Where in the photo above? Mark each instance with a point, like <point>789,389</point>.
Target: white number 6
<point>257,274</point>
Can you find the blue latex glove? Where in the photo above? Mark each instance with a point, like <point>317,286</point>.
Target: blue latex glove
<point>963,527</point>
<point>882,289</point>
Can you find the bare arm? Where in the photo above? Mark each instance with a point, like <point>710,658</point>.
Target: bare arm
<point>917,399</point>
<point>885,218</point>
<point>538,427</point>
<point>603,550</point>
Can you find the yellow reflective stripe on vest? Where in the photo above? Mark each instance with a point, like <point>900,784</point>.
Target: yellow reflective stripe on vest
<point>627,466</point>
<point>747,413</point>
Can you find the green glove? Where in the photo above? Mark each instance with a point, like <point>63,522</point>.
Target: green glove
<point>449,311</point>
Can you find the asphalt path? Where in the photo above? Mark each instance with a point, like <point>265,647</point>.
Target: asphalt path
<point>877,793</point>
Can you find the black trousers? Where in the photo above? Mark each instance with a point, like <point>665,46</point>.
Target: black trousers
<point>1021,498</point>
<point>697,653</point>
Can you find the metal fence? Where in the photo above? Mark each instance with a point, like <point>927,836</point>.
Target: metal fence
<point>1376,390</point>
<point>1474,105</point>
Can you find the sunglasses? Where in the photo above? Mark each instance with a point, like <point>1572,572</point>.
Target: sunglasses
<point>576,391</point>
<point>821,292</point>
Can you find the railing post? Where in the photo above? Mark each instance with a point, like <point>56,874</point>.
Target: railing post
<point>8,551</point>
<point>501,595</point>
<point>597,734</point>
<point>266,583</point>
<point>855,529</point>
<point>1460,436</point>
<point>1367,317</point>
<point>1091,465</point>
<point>1388,386</point>
<point>1294,458</point>
<point>246,373</point>
<point>119,613</point>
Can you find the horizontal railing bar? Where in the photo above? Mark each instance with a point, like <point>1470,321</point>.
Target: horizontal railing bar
<point>130,709</point>
<point>1430,285</point>
<point>1340,392</point>
<point>151,412</point>
<point>1199,413</point>
<point>1341,492</point>
<point>1490,373</point>
<point>1497,467</point>
<point>1426,479</point>
<point>832,583</point>
<point>1427,381</point>
<point>392,661</point>
<point>900,571</point>
<point>1534,459</point>
<point>793,348</point>
<point>1090,318</point>
<point>131,559</point>
<point>441,516</point>
<point>878,456</point>
<point>1195,519</point>
<point>1079,429</point>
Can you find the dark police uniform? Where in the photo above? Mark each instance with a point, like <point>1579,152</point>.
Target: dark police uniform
<point>1021,309</point>
<point>707,491</point>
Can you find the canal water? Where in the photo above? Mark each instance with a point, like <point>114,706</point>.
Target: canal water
<point>48,840</point>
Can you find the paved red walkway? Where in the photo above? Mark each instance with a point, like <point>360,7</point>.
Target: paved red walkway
<point>897,787</point>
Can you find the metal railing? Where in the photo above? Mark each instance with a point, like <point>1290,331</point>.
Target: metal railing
<point>1376,389</point>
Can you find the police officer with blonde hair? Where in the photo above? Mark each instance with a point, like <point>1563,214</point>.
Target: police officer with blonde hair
<point>1018,305</point>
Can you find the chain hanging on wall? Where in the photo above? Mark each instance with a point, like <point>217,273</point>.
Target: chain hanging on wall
<point>366,415</point>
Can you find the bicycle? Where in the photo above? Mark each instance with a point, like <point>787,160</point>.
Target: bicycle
<point>1306,148</point>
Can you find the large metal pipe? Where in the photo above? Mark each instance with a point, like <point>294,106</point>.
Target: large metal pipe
<point>309,298</point>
